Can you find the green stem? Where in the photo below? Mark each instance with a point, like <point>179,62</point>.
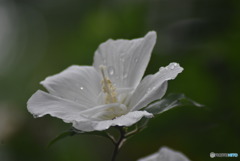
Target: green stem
<point>119,143</point>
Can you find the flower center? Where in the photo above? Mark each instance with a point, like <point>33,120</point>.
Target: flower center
<point>108,88</point>
<point>117,109</point>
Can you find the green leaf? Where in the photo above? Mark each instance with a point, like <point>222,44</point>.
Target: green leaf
<point>74,131</point>
<point>171,101</point>
<point>95,133</point>
<point>62,136</point>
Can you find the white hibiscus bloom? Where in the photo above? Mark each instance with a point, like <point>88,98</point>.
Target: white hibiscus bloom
<point>110,92</point>
<point>165,154</point>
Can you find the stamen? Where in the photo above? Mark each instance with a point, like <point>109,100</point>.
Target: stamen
<point>108,87</point>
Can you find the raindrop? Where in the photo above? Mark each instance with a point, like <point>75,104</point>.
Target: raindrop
<point>111,70</point>
<point>172,66</point>
<point>79,86</point>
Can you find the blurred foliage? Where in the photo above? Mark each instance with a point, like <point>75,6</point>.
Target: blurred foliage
<point>41,38</point>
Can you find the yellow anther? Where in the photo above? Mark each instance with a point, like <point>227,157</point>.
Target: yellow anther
<point>108,88</point>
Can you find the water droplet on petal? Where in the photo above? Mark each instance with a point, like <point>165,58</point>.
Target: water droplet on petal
<point>125,75</point>
<point>136,60</point>
<point>172,66</point>
<point>79,86</point>
<point>110,70</point>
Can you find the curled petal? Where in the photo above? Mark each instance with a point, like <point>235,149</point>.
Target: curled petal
<point>42,103</point>
<point>81,84</point>
<point>124,120</point>
<point>126,60</point>
<point>153,87</point>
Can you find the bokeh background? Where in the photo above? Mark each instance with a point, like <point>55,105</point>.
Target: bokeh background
<point>41,38</point>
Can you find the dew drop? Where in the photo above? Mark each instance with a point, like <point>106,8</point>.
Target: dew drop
<point>172,66</point>
<point>110,70</point>
<point>79,86</point>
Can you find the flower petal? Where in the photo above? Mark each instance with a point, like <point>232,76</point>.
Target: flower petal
<point>153,87</point>
<point>104,112</point>
<point>126,60</point>
<point>81,84</point>
<point>42,103</point>
<point>166,154</point>
<point>124,120</point>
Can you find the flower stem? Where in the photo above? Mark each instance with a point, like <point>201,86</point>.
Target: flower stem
<point>119,143</point>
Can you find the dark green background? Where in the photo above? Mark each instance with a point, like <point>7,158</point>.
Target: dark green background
<point>42,37</point>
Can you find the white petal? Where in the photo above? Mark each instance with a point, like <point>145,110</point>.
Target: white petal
<point>153,87</point>
<point>126,60</point>
<point>125,120</point>
<point>81,84</point>
<point>42,103</point>
<point>166,154</point>
<point>104,112</point>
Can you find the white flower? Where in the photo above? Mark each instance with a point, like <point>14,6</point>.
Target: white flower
<point>110,92</point>
<point>165,154</point>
